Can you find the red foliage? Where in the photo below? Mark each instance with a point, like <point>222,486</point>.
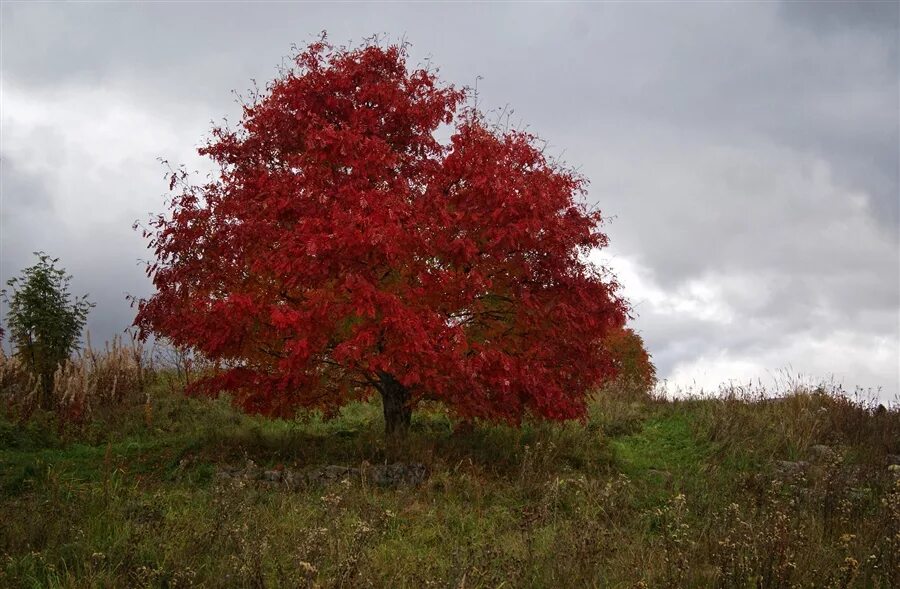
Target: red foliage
<point>631,358</point>
<point>343,248</point>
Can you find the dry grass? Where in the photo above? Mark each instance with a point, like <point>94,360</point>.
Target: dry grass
<point>18,387</point>
<point>99,379</point>
<point>648,493</point>
<point>789,424</point>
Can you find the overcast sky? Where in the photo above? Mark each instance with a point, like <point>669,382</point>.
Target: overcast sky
<point>746,153</point>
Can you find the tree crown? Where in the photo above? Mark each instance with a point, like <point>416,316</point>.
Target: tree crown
<point>341,247</point>
<point>45,321</point>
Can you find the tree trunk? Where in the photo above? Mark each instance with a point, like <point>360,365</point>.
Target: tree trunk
<point>397,408</point>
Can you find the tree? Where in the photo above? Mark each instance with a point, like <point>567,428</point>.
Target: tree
<point>635,368</point>
<point>45,322</point>
<point>342,249</point>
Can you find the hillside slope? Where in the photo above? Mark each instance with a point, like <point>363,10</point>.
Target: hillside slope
<point>733,492</point>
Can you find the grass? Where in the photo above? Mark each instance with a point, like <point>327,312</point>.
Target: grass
<point>646,493</point>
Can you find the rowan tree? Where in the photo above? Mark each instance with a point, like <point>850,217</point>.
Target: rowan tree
<point>341,249</point>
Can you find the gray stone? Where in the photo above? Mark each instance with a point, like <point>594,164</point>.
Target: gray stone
<point>337,472</point>
<point>292,479</point>
<point>791,468</point>
<point>398,474</point>
<point>821,452</point>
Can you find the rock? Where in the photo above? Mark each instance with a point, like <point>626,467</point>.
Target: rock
<point>272,476</point>
<point>790,468</point>
<point>338,472</point>
<point>416,474</point>
<point>381,475</point>
<point>892,459</point>
<point>293,480</point>
<point>821,452</point>
<point>894,471</point>
<point>398,474</point>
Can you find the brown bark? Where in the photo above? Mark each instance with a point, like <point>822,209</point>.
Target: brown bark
<point>395,399</point>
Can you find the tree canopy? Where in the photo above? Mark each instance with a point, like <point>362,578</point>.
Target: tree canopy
<point>343,249</point>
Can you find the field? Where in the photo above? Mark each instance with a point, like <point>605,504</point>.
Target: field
<point>738,491</point>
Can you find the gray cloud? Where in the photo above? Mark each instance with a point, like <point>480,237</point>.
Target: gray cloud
<point>748,151</point>
<point>24,193</point>
<point>835,17</point>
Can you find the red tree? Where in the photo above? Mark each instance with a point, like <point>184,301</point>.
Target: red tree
<point>636,370</point>
<point>342,249</point>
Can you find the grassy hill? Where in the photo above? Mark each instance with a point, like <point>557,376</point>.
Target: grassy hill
<point>733,492</point>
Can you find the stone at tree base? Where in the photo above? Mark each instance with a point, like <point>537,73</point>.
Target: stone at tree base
<point>338,472</point>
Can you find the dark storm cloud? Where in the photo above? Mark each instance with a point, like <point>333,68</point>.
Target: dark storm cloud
<point>836,17</point>
<point>748,151</point>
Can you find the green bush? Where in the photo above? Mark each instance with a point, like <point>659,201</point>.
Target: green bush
<point>45,321</point>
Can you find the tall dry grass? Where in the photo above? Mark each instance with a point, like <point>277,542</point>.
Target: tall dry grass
<point>92,379</point>
<point>800,417</point>
<point>18,386</point>
<point>100,378</point>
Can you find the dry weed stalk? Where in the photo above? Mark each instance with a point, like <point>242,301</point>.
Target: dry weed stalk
<point>19,388</point>
<point>99,378</point>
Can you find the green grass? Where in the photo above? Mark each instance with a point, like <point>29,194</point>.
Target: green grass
<point>647,492</point>
<point>665,456</point>
<point>666,444</point>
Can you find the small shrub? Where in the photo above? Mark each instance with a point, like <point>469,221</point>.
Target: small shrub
<point>45,321</point>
